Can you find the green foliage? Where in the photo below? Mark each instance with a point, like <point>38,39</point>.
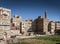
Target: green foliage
<point>40,40</point>
<point>51,38</point>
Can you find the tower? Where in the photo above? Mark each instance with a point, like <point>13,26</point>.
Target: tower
<point>46,14</point>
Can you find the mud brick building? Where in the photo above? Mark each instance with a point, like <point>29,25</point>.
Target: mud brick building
<point>5,20</point>
<point>41,24</point>
<point>16,25</point>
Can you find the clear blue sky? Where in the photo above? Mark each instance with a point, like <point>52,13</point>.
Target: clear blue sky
<point>33,8</point>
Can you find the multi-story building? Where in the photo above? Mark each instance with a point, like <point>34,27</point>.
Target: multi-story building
<point>23,28</point>
<point>16,25</point>
<point>51,27</point>
<point>5,20</point>
<point>27,27</point>
<point>16,21</point>
<point>57,27</point>
<point>41,24</point>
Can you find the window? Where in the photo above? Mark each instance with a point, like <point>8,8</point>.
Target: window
<point>17,16</point>
<point>5,27</point>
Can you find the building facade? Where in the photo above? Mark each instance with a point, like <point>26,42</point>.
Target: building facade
<point>57,27</point>
<point>51,27</point>
<point>27,27</point>
<point>16,25</point>
<point>5,20</point>
<point>41,25</point>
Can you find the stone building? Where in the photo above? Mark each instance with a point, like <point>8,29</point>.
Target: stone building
<point>41,24</point>
<point>16,25</point>
<point>57,27</point>
<point>5,20</point>
<point>51,27</point>
<point>27,27</point>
